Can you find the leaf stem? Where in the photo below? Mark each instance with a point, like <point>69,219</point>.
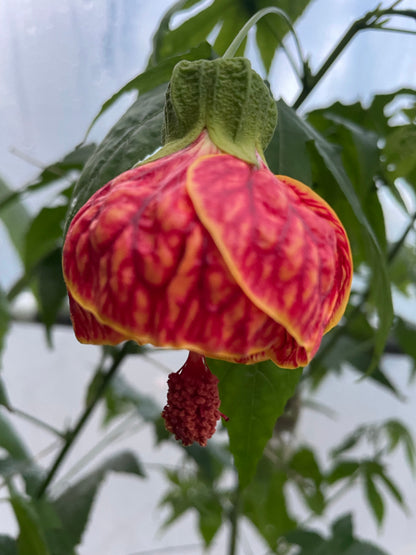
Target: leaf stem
<point>241,35</point>
<point>37,422</point>
<point>234,520</point>
<point>82,420</point>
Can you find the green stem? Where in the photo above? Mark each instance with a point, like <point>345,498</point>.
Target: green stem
<point>73,434</point>
<point>234,520</point>
<point>37,421</point>
<point>232,49</point>
<point>368,21</point>
<point>395,30</point>
<point>398,244</point>
<point>314,79</point>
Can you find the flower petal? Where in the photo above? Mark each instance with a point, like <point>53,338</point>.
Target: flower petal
<point>286,249</point>
<point>137,257</point>
<point>89,330</point>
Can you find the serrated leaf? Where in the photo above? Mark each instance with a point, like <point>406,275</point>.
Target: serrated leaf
<point>380,283</point>
<point>253,397</point>
<point>74,505</point>
<point>264,502</point>
<point>31,540</point>
<point>137,134</point>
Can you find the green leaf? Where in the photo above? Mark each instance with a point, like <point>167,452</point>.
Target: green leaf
<point>56,535</point>
<point>8,545</point>
<point>253,397</point>
<point>211,460</point>
<point>121,396</point>
<point>4,319</point>
<point>227,17</point>
<point>308,478</point>
<point>156,75</point>
<point>402,271</point>
<point>31,540</point>
<point>137,134</point>
<point>16,220</point>
<point>190,33</point>
<point>11,441</point>
<point>74,505</point>
<point>4,398</point>
<point>374,497</point>
<point>405,333</point>
<point>50,287</point>
<point>393,489</point>
<point>398,433</point>
<point>210,518</point>
<point>20,460</point>
<point>343,469</point>
<point>342,541</point>
<point>331,157</point>
<point>264,502</point>
<point>44,235</point>
<point>63,169</point>
<point>349,442</point>
<point>188,493</point>
<point>310,542</point>
<point>399,150</point>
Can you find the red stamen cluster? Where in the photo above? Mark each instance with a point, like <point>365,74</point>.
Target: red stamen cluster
<point>191,412</point>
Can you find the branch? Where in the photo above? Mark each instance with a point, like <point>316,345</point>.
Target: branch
<point>73,434</point>
<point>368,21</point>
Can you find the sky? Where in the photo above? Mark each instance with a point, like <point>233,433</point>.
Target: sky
<point>59,61</point>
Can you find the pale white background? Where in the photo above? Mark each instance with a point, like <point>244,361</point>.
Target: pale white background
<point>59,61</point>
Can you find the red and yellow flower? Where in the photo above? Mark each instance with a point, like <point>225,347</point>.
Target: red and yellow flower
<point>203,248</point>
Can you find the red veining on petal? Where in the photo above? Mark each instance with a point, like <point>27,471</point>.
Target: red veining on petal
<point>284,247</point>
<point>191,412</point>
<point>89,330</point>
<point>137,257</point>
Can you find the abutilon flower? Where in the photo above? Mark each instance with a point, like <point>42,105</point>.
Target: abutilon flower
<point>202,248</point>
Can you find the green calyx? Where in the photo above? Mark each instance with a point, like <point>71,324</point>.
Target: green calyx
<point>225,97</point>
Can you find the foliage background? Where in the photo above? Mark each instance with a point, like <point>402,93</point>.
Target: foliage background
<point>40,391</point>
